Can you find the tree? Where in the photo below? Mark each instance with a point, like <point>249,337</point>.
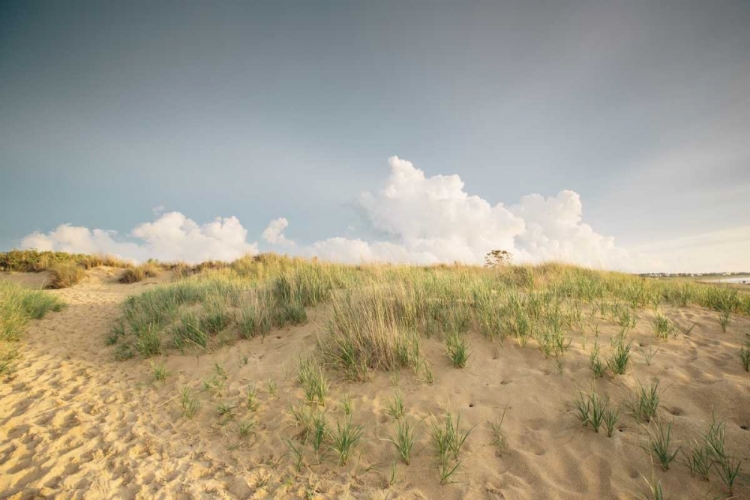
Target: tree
<point>497,258</point>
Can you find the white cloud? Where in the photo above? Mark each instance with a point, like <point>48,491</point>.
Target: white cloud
<point>171,237</point>
<point>274,233</point>
<point>433,219</point>
<point>425,220</point>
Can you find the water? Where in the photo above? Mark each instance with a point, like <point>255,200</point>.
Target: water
<point>742,280</point>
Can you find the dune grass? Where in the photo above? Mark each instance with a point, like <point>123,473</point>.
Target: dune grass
<point>19,305</point>
<point>404,440</point>
<point>140,273</point>
<point>34,261</point>
<point>345,438</point>
<point>379,315</point>
<point>660,445</point>
<point>644,406</point>
<point>66,274</point>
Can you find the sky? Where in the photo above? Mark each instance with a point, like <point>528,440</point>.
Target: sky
<point>609,134</point>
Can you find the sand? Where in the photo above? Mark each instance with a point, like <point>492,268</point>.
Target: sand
<point>75,423</point>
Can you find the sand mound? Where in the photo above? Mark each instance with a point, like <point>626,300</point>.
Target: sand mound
<point>74,423</point>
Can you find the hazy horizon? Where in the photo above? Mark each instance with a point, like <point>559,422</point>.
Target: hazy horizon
<point>607,134</point>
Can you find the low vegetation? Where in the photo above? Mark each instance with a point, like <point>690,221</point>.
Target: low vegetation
<point>140,273</point>
<point>33,261</point>
<point>383,318</point>
<point>65,274</point>
<point>19,305</point>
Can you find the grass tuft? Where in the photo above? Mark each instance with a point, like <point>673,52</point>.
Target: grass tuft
<point>345,438</point>
<point>395,406</point>
<point>188,402</point>
<point>646,402</point>
<point>661,447</point>
<point>457,349</point>
<point>313,381</point>
<point>160,371</point>
<point>404,440</point>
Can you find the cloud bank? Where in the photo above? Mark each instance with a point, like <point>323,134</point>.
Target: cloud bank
<point>423,220</point>
<point>171,237</point>
<point>433,219</point>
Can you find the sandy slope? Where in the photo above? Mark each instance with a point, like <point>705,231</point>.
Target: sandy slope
<point>74,423</point>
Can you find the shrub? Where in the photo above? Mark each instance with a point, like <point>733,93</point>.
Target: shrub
<point>140,273</point>
<point>66,274</point>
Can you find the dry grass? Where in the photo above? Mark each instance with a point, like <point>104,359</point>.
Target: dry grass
<point>34,261</point>
<point>66,274</point>
<point>140,273</point>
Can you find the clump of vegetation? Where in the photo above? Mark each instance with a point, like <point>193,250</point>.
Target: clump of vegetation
<point>591,408</point>
<point>655,489</point>
<point>649,355</point>
<point>160,371</point>
<point>345,438</point>
<point>661,447</point>
<point>346,404</point>
<point>457,349</point>
<point>378,315</point>
<point>313,381</point>
<point>140,273</point>
<point>395,407</point>
<point>723,320</point>
<point>496,429</point>
<point>646,402</point>
<point>597,365</point>
<point>7,356</point>
<point>66,274</point>
<point>34,261</point>
<point>404,440</point>
<point>18,306</point>
<point>620,358</point>
<point>245,427</point>
<point>251,397</point>
<point>189,403</point>
<point>699,459</point>
<point>663,327</point>
<point>448,439</point>
<point>727,467</point>
<point>745,353</point>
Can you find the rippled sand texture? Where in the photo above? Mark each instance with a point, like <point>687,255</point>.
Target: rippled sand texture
<point>74,423</point>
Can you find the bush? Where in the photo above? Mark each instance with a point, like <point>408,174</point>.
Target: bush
<point>140,273</point>
<point>66,275</point>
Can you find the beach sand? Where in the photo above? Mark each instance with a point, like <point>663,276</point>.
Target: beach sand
<point>75,423</point>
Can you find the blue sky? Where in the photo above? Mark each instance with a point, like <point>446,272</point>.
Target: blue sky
<point>293,109</point>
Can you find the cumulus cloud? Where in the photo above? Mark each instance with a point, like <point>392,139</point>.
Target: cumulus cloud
<point>274,233</point>
<point>171,237</point>
<point>433,219</point>
<point>424,220</point>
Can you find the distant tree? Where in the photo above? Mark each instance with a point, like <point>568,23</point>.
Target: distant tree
<point>497,258</point>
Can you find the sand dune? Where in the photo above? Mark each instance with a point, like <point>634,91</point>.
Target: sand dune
<point>75,423</point>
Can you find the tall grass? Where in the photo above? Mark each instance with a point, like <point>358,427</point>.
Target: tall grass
<point>18,306</point>
<point>66,274</point>
<point>140,273</point>
<point>33,261</point>
<point>379,315</point>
